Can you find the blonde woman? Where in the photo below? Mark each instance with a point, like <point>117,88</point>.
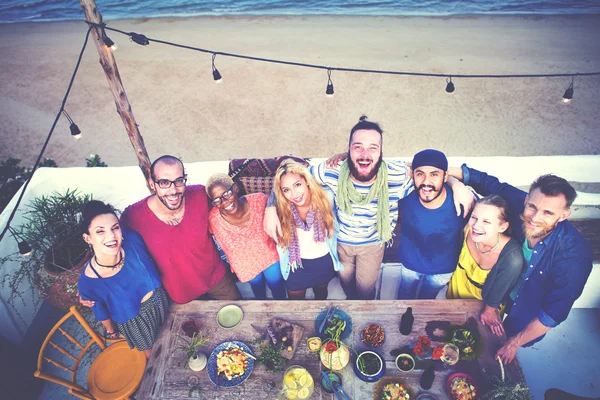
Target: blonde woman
<point>490,261</point>
<point>308,241</point>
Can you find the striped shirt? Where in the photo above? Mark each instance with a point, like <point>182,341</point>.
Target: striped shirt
<point>360,228</point>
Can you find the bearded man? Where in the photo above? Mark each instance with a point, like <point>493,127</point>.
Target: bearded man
<point>366,190</point>
<point>431,235</point>
<point>558,258</point>
<point>174,225</point>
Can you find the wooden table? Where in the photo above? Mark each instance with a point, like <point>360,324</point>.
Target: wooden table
<point>165,377</point>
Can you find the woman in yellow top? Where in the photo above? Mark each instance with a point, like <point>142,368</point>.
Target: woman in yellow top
<point>490,261</point>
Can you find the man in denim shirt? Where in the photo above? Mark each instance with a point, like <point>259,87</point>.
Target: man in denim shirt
<point>559,260</point>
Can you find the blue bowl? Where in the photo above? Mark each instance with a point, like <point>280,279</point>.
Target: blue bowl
<point>374,377</point>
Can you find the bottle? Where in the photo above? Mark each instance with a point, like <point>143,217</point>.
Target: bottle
<point>427,378</point>
<point>406,323</point>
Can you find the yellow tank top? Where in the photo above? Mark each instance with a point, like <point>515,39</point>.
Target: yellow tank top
<point>468,278</point>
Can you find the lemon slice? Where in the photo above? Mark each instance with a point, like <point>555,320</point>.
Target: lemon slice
<point>303,380</point>
<point>303,393</point>
<point>290,382</point>
<point>292,394</point>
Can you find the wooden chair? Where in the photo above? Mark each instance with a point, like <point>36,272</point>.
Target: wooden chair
<point>115,373</point>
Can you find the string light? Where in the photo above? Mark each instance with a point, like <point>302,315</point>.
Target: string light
<point>107,41</point>
<point>24,247</point>
<point>568,96</point>
<point>329,90</point>
<point>450,85</point>
<point>75,131</point>
<point>139,39</point>
<point>216,75</point>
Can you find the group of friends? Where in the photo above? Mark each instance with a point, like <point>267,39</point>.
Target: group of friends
<point>514,250</point>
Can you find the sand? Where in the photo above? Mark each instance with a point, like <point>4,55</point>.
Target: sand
<point>264,110</point>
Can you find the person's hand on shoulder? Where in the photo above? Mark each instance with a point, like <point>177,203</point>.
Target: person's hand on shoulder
<point>336,159</point>
<point>271,223</point>
<point>464,198</point>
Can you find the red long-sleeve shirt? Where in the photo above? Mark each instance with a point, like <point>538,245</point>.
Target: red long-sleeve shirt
<point>186,257</point>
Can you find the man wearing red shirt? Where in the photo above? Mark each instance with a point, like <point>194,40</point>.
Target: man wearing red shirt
<point>174,225</point>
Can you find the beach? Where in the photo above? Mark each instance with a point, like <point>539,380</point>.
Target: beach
<point>265,110</point>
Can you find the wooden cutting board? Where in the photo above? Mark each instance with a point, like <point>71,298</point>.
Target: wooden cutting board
<point>292,331</point>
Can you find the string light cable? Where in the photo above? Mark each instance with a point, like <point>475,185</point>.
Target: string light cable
<point>345,69</point>
<point>37,162</point>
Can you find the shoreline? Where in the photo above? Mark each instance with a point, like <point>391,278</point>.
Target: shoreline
<point>537,15</point>
<point>265,110</point>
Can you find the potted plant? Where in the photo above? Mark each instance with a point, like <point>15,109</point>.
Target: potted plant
<point>369,366</point>
<point>195,360</point>
<point>58,252</point>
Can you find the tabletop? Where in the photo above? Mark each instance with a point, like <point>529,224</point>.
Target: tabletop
<point>166,377</point>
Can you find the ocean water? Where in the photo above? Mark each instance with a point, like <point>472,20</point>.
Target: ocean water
<point>65,10</point>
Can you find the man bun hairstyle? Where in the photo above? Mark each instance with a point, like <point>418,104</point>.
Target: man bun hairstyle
<point>363,124</point>
<point>552,185</point>
<point>91,210</point>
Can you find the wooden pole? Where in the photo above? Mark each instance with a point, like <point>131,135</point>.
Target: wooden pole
<point>107,60</point>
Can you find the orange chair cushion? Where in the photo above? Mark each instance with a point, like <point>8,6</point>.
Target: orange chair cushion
<point>116,372</point>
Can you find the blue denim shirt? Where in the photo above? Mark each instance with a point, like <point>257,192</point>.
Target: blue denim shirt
<point>559,267</point>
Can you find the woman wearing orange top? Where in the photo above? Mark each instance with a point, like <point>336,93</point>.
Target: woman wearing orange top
<point>237,224</point>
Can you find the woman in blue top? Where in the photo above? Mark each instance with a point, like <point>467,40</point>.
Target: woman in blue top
<point>121,279</point>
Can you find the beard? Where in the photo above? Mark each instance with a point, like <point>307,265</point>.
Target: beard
<point>166,203</point>
<point>540,232</point>
<point>356,174</point>
<point>436,192</point>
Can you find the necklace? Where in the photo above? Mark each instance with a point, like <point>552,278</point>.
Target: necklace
<point>490,250</point>
<point>110,266</point>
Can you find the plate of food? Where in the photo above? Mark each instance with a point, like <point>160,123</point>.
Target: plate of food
<point>338,321</point>
<point>460,386</point>
<point>229,365</point>
<point>373,335</point>
<point>392,388</point>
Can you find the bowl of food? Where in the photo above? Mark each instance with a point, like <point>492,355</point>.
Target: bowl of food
<point>461,386</point>
<point>229,365</point>
<point>405,362</point>
<point>392,388</point>
<point>426,396</point>
<point>373,335</point>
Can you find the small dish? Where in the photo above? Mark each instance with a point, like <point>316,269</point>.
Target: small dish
<point>405,362</point>
<point>230,316</point>
<point>373,335</point>
<point>426,396</point>
<point>334,378</point>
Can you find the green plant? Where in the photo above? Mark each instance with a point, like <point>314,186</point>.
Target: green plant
<point>369,363</point>
<point>270,356</point>
<point>504,389</point>
<point>52,230</point>
<point>190,345</point>
<point>95,161</point>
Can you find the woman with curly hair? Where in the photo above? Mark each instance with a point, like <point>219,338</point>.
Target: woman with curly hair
<point>236,223</point>
<point>308,241</point>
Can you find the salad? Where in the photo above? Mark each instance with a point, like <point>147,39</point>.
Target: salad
<point>232,362</point>
<point>462,389</point>
<point>465,341</point>
<point>394,391</point>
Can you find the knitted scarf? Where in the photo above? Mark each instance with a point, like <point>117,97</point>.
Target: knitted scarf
<point>347,195</point>
<point>313,219</point>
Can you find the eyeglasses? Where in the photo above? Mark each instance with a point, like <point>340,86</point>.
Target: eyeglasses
<point>165,183</point>
<point>225,196</point>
